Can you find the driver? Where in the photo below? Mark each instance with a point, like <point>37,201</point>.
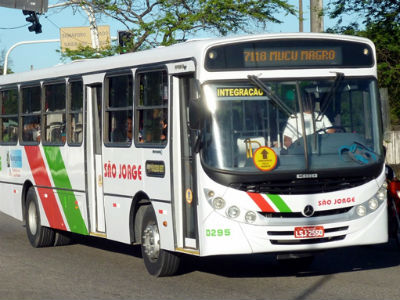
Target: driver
<point>294,126</point>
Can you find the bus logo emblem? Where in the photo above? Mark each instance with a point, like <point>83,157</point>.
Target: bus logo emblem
<point>308,211</point>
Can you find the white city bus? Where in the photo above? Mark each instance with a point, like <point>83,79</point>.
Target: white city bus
<point>241,145</point>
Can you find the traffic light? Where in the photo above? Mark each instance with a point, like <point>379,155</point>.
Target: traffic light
<point>33,18</point>
<point>124,40</point>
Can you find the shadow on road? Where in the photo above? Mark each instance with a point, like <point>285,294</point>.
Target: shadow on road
<point>333,261</point>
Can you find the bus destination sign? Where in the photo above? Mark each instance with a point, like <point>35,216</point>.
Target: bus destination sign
<point>294,56</point>
<point>289,54</point>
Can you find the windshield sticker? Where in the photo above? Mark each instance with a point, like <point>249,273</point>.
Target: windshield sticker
<point>189,196</point>
<point>265,159</point>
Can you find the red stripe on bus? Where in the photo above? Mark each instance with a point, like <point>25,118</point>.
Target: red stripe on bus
<point>261,202</point>
<point>47,196</point>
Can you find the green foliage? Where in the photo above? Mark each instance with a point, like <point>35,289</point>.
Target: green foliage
<point>380,19</point>
<point>86,52</point>
<point>2,57</point>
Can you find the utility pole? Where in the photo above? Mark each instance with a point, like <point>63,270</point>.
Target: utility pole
<point>300,15</point>
<point>316,16</point>
<point>23,43</point>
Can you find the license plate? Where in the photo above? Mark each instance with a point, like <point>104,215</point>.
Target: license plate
<point>309,232</point>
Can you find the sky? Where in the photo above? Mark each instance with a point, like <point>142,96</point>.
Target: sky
<point>14,29</point>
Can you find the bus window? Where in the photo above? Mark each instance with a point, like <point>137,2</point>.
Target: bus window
<point>31,118</point>
<point>54,114</point>
<point>9,116</point>
<point>118,111</point>
<point>75,114</point>
<point>152,108</point>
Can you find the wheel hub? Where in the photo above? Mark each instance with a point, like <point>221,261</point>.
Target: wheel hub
<point>151,242</point>
<point>32,218</point>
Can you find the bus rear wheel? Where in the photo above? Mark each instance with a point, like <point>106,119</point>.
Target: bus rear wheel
<point>158,262</point>
<point>38,235</point>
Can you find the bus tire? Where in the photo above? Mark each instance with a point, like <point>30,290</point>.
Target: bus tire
<point>38,235</point>
<point>62,238</point>
<point>158,262</point>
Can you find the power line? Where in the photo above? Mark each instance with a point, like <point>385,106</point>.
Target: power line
<point>7,28</point>
<point>54,24</point>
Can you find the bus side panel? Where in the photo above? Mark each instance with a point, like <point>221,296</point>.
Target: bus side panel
<point>163,213</point>
<point>10,202</point>
<point>16,193</point>
<point>11,163</point>
<point>117,210</point>
<point>122,180</point>
<point>75,168</point>
<point>62,206</point>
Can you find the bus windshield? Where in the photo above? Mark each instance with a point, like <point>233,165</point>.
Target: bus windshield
<point>301,125</point>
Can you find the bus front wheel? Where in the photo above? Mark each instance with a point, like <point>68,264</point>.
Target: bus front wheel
<point>158,262</point>
<point>38,235</point>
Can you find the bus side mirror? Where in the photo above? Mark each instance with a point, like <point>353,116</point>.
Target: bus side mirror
<point>196,114</point>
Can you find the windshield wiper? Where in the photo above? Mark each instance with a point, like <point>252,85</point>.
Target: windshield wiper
<point>275,99</point>
<point>328,97</point>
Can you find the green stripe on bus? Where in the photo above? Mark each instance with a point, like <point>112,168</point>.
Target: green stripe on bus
<point>67,197</point>
<point>279,203</point>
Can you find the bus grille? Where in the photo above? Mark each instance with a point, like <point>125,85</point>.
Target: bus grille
<point>320,213</point>
<point>293,241</point>
<point>308,241</point>
<point>302,186</point>
<point>291,233</point>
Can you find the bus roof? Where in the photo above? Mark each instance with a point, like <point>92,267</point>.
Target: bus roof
<point>186,50</point>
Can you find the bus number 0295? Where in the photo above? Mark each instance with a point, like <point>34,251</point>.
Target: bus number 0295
<point>218,232</point>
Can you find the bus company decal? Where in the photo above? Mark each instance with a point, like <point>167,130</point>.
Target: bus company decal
<point>123,171</point>
<point>14,162</point>
<point>47,196</point>
<point>61,180</point>
<point>264,202</point>
<point>337,201</point>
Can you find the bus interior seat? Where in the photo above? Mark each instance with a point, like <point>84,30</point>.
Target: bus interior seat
<point>56,129</point>
<point>77,136</point>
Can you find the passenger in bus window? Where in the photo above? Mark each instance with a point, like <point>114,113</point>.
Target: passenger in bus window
<point>123,134</point>
<point>31,132</point>
<point>152,127</point>
<point>294,128</point>
<point>129,129</point>
<point>164,130</point>
<point>140,133</point>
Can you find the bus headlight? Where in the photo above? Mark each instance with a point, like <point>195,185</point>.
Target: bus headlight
<point>218,203</point>
<point>381,195</point>
<point>250,217</point>
<point>373,203</point>
<point>361,210</point>
<point>233,212</point>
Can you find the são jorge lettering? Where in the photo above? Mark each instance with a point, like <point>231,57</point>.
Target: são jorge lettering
<point>123,171</point>
<point>337,201</point>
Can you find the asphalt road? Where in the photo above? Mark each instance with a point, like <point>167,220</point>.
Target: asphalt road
<point>94,268</point>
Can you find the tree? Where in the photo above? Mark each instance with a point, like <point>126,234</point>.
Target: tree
<point>384,12</point>
<point>2,57</point>
<point>165,22</point>
<point>380,19</point>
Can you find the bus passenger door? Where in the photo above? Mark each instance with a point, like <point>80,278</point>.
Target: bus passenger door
<point>94,157</point>
<point>184,166</point>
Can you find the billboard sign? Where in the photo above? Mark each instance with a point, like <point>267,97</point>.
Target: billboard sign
<point>73,37</point>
